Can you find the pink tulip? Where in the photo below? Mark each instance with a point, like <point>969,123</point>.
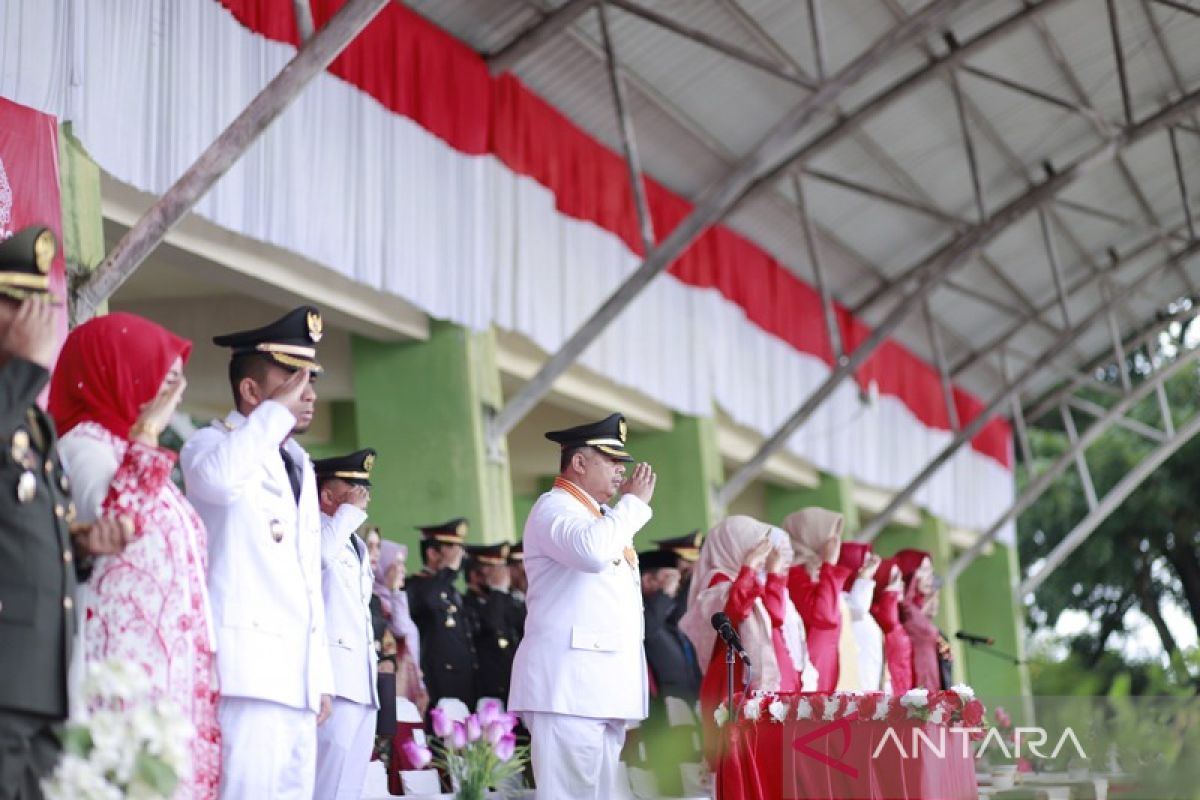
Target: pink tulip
<point>418,755</point>
<point>442,724</point>
<point>506,746</point>
<point>494,732</point>
<point>458,739</point>
<point>509,720</point>
<point>490,711</point>
<point>474,731</point>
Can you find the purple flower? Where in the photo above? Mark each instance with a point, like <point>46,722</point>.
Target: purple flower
<point>442,724</point>
<point>458,739</point>
<point>474,731</point>
<point>509,720</point>
<point>490,711</point>
<point>418,755</point>
<point>494,732</point>
<point>506,746</point>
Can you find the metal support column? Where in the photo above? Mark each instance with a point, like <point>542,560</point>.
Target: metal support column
<point>148,232</point>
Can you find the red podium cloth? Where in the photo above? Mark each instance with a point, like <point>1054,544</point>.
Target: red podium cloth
<point>843,760</point>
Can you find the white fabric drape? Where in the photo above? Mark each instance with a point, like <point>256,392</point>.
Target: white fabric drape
<point>373,196</point>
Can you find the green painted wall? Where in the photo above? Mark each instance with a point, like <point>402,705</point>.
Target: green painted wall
<point>343,435</point>
<point>421,405</point>
<point>993,613</point>
<point>833,493</point>
<point>82,217</point>
<point>686,461</point>
<point>522,503</point>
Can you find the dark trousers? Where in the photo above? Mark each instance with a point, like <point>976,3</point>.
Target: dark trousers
<point>29,749</point>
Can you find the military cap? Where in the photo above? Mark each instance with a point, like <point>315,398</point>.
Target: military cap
<point>290,341</point>
<point>651,560</point>
<point>490,555</point>
<point>685,547</point>
<point>516,553</point>
<point>354,468</point>
<point>25,259</point>
<point>607,436</point>
<point>450,532</point>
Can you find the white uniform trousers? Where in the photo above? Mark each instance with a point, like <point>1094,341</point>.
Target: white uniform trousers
<point>268,750</point>
<point>576,757</point>
<point>344,745</point>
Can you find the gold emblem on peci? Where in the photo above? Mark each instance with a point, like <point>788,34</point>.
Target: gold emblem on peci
<point>44,248</point>
<point>622,429</point>
<point>369,462</point>
<point>315,326</point>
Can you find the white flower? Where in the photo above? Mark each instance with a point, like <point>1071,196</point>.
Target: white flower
<point>721,715</point>
<point>752,710</point>
<point>76,778</point>
<point>938,716</point>
<point>804,709</point>
<point>832,703</point>
<point>963,691</point>
<point>851,706</point>
<point>915,698</point>
<point>882,708</point>
<point>778,710</point>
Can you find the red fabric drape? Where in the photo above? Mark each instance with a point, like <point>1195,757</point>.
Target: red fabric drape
<point>109,368</point>
<point>419,71</point>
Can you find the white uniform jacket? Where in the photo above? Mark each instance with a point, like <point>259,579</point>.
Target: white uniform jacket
<point>867,634</point>
<point>582,653</point>
<point>347,584</point>
<point>264,558</point>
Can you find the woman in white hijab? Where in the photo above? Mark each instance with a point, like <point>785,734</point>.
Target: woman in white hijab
<point>726,580</point>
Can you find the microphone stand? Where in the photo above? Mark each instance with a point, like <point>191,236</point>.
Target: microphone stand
<point>730,663</point>
<point>991,651</point>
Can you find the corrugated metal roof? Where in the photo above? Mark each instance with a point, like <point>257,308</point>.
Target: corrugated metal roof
<point>695,111</point>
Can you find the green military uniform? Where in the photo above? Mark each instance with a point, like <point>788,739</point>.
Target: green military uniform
<point>37,563</point>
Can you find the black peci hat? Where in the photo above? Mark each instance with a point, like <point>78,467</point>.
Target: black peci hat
<point>290,341</point>
<point>25,259</point>
<point>354,468</point>
<point>607,436</point>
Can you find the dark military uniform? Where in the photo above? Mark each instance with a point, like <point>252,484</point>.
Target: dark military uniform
<point>497,624</point>
<point>436,606</point>
<point>686,550</point>
<point>37,563</point>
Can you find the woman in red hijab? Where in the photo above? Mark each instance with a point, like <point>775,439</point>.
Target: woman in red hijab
<point>916,606</point>
<point>885,608</point>
<point>118,381</point>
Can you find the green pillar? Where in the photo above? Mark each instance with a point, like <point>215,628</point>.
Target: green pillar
<point>82,217</point>
<point>832,492</point>
<point>421,405</point>
<point>931,536</point>
<point>991,610</point>
<point>688,466</point>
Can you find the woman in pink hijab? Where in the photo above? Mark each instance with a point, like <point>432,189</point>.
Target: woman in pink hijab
<point>389,612</point>
<point>916,606</point>
<point>815,583</point>
<point>726,580</point>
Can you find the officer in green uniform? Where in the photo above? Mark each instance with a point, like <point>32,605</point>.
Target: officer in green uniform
<point>41,552</point>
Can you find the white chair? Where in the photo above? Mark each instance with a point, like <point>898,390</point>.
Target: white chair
<point>420,782</point>
<point>697,780</point>
<point>375,784</point>
<point>455,709</point>
<point>407,711</point>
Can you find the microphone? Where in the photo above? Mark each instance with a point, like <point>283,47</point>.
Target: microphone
<point>974,638</point>
<point>724,628</point>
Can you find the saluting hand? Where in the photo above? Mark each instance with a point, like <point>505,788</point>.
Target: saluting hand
<point>291,392</point>
<point>757,557</point>
<point>156,414</point>
<point>357,496</point>
<point>641,483</point>
<point>776,564</point>
<point>31,333</point>
<point>867,570</point>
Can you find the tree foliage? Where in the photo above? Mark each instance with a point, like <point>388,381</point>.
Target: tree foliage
<point>1145,553</point>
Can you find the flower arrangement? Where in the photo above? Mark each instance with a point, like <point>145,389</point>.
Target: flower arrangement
<point>130,746</point>
<point>478,753</point>
<point>957,707</point>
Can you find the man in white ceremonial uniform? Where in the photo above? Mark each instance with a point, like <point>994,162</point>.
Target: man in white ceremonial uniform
<point>579,676</point>
<point>254,487</point>
<point>345,741</point>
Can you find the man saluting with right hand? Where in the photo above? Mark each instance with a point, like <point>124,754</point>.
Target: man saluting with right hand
<point>579,675</point>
